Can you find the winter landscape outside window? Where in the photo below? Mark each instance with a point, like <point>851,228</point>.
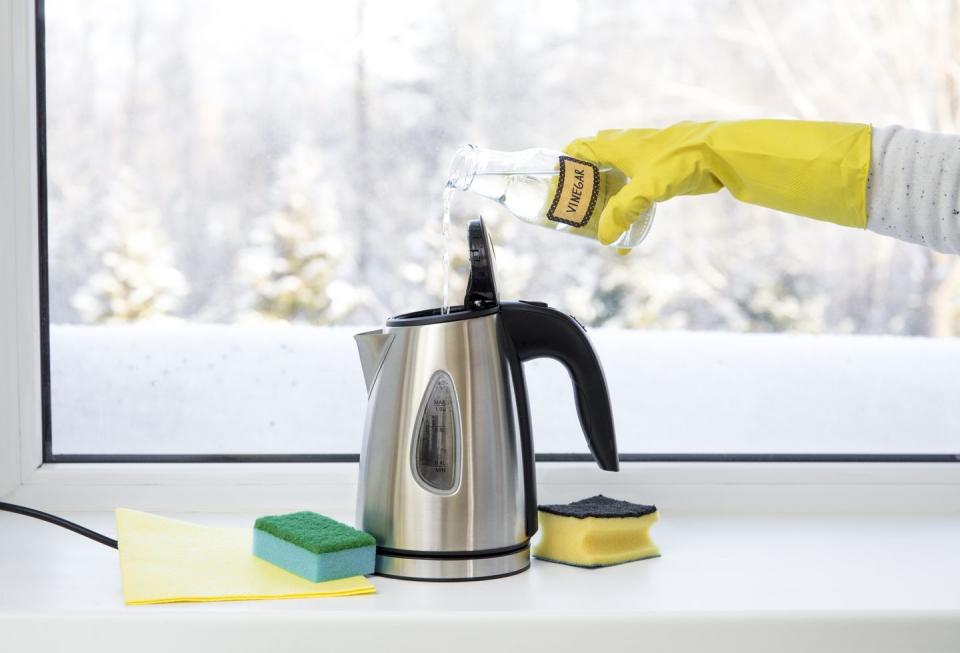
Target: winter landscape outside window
<point>234,189</point>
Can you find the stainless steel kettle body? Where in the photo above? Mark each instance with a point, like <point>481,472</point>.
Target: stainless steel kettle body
<point>447,482</point>
<point>463,492</point>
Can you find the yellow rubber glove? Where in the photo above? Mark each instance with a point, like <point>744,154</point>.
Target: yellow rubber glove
<point>814,169</point>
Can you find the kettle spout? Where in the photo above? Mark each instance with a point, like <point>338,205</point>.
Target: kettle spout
<point>373,346</point>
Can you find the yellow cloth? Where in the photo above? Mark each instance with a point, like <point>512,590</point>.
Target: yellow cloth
<point>169,561</point>
<point>814,169</point>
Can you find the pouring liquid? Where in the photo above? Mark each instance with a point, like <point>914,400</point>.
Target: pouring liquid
<point>448,193</point>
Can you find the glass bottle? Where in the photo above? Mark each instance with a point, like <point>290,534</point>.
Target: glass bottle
<point>546,188</point>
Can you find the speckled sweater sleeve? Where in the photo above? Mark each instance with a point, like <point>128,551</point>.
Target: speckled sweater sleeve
<point>913,192</point>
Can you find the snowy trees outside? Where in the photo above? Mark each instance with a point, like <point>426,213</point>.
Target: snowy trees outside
<point>215,162</point>
<point>136,278</point>
<point>294,265</point>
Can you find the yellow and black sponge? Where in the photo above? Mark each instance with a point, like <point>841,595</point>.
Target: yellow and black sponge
<point>596,532</point>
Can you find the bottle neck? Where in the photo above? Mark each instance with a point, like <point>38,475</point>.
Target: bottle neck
<point>471,162</point>
<point>463,167</point>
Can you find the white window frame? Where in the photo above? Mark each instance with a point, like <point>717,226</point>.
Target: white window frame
<point>695,486</point>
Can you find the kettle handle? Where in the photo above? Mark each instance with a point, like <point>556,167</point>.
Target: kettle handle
<point>538,331</point>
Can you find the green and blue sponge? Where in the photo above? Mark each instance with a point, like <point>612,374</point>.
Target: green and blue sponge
<point>313,546</point>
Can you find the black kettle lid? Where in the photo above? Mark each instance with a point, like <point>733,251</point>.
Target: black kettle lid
<point>482,283</point>
<point>481,297</point>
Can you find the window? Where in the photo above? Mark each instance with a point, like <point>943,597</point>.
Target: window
<point>233,190</point>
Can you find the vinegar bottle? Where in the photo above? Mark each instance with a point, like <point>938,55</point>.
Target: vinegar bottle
<point>546,188</point>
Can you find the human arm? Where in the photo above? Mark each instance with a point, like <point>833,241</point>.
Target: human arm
<point>894,181</point>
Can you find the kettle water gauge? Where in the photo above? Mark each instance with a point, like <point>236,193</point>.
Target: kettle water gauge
<point>436,445</point>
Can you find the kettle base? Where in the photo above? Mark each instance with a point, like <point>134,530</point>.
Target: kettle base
<point>423,567</point>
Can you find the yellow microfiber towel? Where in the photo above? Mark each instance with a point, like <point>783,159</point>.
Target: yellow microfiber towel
<point>168,561</point>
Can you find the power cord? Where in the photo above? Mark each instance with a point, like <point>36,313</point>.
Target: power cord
<point>59,521</point>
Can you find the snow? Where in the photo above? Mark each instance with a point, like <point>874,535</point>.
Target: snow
<point>188,388</point>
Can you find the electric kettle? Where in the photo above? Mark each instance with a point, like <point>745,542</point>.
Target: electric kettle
<point>447,482</point>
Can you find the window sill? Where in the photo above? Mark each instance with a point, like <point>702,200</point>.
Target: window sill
<point>677,487</point>
<point>726,582</point>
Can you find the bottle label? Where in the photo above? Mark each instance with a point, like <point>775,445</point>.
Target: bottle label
<point>577,191</point>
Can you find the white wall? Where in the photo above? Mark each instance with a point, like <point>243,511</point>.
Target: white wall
<point>18,199</point>
<point>9,458</point>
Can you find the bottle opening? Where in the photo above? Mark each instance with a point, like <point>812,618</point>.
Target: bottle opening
<point>438,315</point>
<point>463,167</point>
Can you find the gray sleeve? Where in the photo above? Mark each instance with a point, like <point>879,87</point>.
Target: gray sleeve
<point>913,191</point>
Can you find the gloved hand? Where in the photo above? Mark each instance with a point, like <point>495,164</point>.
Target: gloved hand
<point>814,169</point>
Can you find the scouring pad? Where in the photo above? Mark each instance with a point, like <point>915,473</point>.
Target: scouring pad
<point>596,532</point>
<point>313,546</point>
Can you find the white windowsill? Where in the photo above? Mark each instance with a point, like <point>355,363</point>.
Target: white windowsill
<point>696,488</point>
<point>882,582</point>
